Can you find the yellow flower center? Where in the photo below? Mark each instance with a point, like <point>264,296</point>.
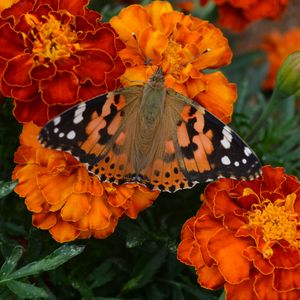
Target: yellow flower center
<point>52,40</point>
<point>277,220</point>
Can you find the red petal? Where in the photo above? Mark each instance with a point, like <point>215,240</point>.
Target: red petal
<point>43,72</point>
<point>93,65</point>
<point>18,9</point>
<point>102,39</point>
<point>285,257</point>
<point>18,70</point>
<point>259,262</point>
<point>60,89</point>
<point>74,7</point>
<point>11,43</point>
<point>82,26</point>
<point>67,64</point>
<point>265,289</point>
<point>89,90</point>
<point>286,280</point>
<point>27,93</point>
<point>272,178</point>
<point>35,111</point>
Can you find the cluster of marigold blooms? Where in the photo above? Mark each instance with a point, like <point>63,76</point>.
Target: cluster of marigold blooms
<point>244,237</point>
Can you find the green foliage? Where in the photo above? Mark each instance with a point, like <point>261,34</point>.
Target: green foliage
<point>139,260</point>
<point>13,279</point>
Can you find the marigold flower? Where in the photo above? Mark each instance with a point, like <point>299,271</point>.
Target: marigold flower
<point>54,54</point>
<point>184,46</point>
<point>278,46</point>
<point>246,237</point>
<point>236,15</point>
<point>67,200</point>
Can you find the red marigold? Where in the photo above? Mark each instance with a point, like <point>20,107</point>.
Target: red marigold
<point>246,237</point>
<point>54,54</point>
<point>183,46</point>
<point>238,14</point>
<point>67,200</point>
<point>278,46</point>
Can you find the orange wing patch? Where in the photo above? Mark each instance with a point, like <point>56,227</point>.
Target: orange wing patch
<point>195,145</point>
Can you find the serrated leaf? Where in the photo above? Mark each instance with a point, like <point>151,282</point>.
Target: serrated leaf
<point>50,262</point>
<point>7,187</point>
<point>11,262</point>
<point>26,290</point>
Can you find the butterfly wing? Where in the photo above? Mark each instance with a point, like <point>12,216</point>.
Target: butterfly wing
<point>199,148</point>
<point>93,129</point>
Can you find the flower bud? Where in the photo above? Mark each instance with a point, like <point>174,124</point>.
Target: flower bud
<point>288,77</point>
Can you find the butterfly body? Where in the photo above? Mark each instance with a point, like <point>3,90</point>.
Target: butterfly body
<point>150,135</point>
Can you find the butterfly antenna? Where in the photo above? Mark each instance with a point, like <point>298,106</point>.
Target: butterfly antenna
<point>147,61</point>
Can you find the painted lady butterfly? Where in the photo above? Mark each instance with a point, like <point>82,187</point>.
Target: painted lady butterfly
<point>150,135</point>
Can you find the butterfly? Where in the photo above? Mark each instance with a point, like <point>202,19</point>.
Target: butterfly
<point>150,135</point>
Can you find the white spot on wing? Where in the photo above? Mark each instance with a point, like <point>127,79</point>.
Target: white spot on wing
<point>71,135</point>
<point>78,113</point>
<point>57,120</point>
<point>61,134</point>
<point>225,160</point>
<point>55,130</point>
<point>244,161</point>
<point>227,137</point>
<point>247,151</point>
<point>236,163</point>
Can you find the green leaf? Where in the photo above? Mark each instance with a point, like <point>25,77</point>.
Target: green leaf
<point>11,261</point>
<point>50,262</point>
<point>145,271</point>
<point>102,274</point>
<point>26,290</point>
<point>7,187</point>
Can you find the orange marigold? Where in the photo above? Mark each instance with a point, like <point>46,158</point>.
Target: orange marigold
<point>54,54</point>
<point>184,46</point>
<point>278,46</point>
<point>65,199</point>
<point>236,15</point>
<point>246,236</point>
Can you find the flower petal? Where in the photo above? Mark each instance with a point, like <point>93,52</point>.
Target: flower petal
<point>64,232</point>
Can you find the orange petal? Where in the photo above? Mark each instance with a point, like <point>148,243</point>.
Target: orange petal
<point>132,19</point>
<point>155,10</point>
<point>228,252</point>
<point>98,217</point>
<point>104,233</point>
<point>153,43</point>
<point>210,277</point>
<point>64,232</point>
<point>244,290</point>
<point>44,220</point>
<point>76,207</point>
<point>139,201</point>
<point>218,87</point>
